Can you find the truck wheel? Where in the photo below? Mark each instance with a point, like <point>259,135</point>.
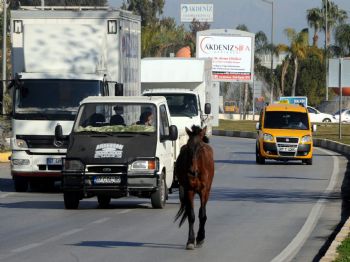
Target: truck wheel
<point>21,184</point>
<point>103,201</point>
<point>307,161</point>
<point>158,198</point>
<point>71,200</point>
<point>259,159</point>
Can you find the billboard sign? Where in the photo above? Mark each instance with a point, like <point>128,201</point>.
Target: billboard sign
<point>199,12</point>
<point>334,70</point>
<point>294,100</point>
<point>231,51</point>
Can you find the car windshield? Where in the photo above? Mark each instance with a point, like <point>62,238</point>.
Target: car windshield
<point>337,113</point>
<point>286,120</point>
<point>116,118</point>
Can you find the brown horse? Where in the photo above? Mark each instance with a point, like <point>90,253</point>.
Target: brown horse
<point>195,171</point>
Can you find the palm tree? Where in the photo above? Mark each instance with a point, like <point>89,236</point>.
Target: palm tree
<point>315,19</point>
<point>342,39</point>
<point>335,16</point>
<point>299,44</point>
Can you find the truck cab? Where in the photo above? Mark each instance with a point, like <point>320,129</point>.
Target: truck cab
<point>284,133</point>
<point>120,146</point>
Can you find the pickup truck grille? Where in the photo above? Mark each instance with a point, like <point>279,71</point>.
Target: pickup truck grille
<point>107,169</point>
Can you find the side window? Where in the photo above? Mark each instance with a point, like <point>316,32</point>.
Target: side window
<point>311,110</point>
<point>261,117</point>
<point>164,122</point>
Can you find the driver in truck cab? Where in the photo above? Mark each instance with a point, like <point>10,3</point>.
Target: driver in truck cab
<point>284,133</point>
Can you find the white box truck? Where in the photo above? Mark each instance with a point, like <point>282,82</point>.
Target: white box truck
<point>59,57</point>
<point>187,86</point>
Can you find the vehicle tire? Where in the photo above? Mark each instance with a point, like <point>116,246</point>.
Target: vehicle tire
<point>326,120</point>
<point>158,198</point>
<point>259,159</point>
<point>307,161</point>
<point>21,184</point>
<point>103,201</point>
<point>71,200</point>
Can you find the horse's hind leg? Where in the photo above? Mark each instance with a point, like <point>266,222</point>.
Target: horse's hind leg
<point>191,218</point>
<point>202,219</point>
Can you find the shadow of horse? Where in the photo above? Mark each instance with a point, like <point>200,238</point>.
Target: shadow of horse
<point>194,169</point>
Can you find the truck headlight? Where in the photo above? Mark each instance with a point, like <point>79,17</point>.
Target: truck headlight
<point>306,139</point>
<point>268,138</point>
<point>144,165</point>
<point>73,165</point>
<point>20,162</point>
<point>21,143</point>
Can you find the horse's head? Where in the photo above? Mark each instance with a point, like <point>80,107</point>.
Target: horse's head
<point>197,134</point>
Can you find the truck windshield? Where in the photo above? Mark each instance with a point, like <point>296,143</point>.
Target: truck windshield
<point>180,104</point>
<point>52,98</point>
<point>116,118</point>
<point>286,120</point>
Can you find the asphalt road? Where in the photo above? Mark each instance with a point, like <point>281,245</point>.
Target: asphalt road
<point>275,212</point>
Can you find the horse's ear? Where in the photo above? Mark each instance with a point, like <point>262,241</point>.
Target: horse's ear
<point>188,131</point>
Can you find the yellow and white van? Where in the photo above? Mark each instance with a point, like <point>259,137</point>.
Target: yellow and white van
<point>284,133</point>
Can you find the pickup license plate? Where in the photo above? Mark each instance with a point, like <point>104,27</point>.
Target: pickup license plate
<point>54,161</point>
<point>107,180</point>
<point>287,149</point>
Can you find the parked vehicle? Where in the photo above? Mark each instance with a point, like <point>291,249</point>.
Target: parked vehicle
<point>284,133</point>
<point>345,115</point>
<point>60,57</point>
<point>317,116</point>
<point>115,152</point>
<point>231,107</point>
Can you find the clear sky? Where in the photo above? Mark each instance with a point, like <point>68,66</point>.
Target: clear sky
<point>255,14</point>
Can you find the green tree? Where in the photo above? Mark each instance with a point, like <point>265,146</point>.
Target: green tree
<point>149,10</point>
<point>315,20</point>
<point>342,39</point>
<point>191,36</point>
<point>299,44</point>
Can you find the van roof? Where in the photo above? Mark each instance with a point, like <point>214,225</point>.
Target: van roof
<point>286,107</point>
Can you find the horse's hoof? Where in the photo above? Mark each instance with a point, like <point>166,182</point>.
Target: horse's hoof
<point>199,244</point>
<point>190,246</point>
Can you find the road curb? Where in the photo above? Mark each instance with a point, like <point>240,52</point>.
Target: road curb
<point>340,148</point>
<point>4,157</point>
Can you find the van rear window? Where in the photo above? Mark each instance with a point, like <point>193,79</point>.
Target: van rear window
<point>286,120</point>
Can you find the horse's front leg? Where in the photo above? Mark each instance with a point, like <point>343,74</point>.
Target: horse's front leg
<point>202,219</point>
<point>191,218</point>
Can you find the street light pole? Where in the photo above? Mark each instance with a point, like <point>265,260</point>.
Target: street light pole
<point>272,42</point>
<point>4,53</point>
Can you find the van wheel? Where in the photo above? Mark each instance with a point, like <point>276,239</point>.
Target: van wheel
<point>104,201</point>
<point>21,184</point>
<point>158,198</point>
<point>71,200</point>
<point>307,161</point>
<point>259,159</point>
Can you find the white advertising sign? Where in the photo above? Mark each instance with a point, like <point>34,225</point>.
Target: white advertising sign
<point>232,56</point>
<point>199,12</point>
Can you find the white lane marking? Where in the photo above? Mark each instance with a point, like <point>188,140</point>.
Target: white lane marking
<point>27,247</point>
<point>51,239</point>
<point>100,221</point>
<point>294,246</point>
<point>6,195</point>
<point>124,211</point>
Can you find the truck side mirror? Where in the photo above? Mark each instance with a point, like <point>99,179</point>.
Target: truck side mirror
<point>118,91</point>
<point>58,132</point>
<point>173,133</point>
<point>207,108</point>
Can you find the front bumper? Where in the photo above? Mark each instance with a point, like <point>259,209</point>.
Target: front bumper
<point>286,151</point>
<point>36,165</point>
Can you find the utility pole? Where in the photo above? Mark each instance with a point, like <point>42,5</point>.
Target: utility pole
<point>4,53</point>
<point>272,42</point>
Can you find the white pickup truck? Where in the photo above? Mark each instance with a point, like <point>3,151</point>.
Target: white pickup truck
<point>119,146</point>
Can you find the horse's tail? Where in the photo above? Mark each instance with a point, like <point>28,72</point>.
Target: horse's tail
<point>182,211</point>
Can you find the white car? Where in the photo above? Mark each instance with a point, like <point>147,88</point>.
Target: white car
<point>318,117</point>
<point>345,115</point>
